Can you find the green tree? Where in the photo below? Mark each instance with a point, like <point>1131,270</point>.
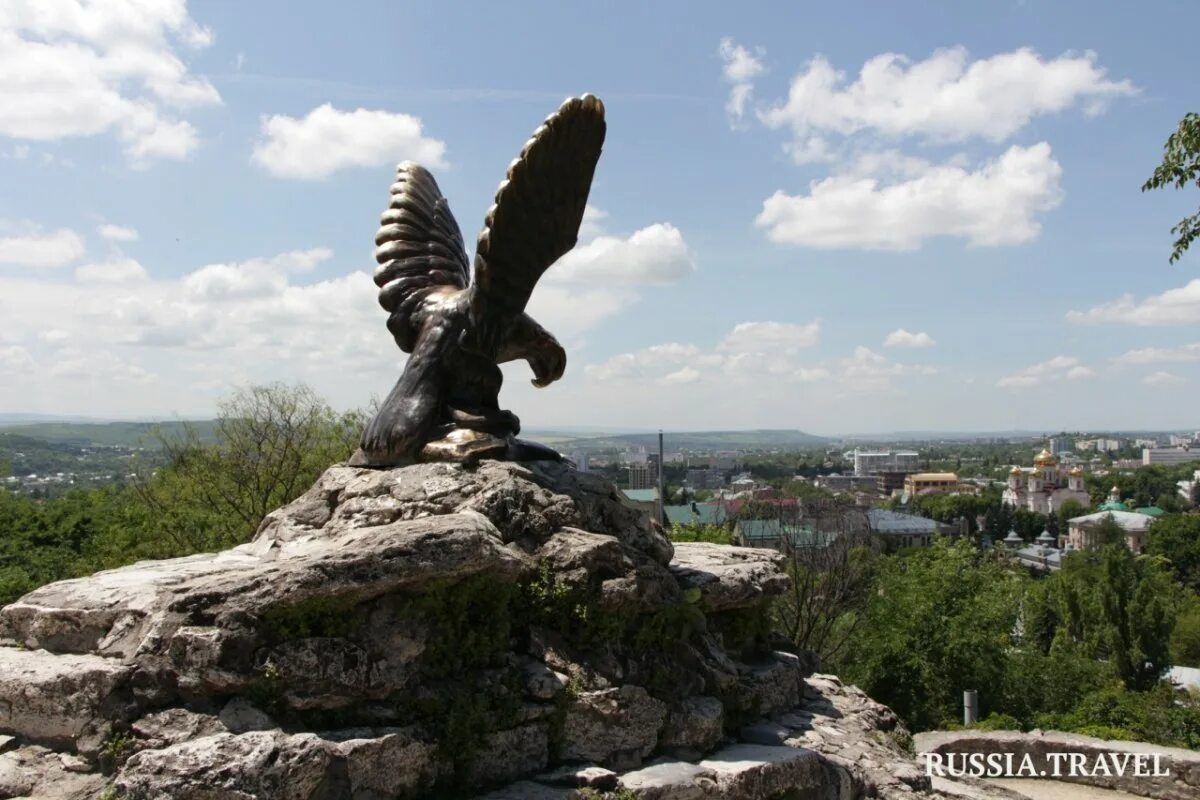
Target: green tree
<point>939,622</point>
<point>1070,509</point>
<point>272,442</point>
<point>1185,637</point>
<point>1180,167</point>
<point>1136,598</point>
<point>1176,538</point>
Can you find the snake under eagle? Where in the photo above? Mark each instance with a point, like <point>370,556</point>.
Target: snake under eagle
<point>445,407</point>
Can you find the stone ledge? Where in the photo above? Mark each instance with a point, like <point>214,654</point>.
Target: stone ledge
<point>63,700</point>
<point>729,577</point>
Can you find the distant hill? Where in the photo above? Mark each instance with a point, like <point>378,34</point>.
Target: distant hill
<point>697,440</point>
<point>126,434</point>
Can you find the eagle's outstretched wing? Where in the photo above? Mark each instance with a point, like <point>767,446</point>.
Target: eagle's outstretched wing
<point>419,248</point>
<point>536,216</point>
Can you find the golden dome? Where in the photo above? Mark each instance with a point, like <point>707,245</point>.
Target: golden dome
<point>1015,470</point>
<point>1045,459</point>
<point>1076,470</point>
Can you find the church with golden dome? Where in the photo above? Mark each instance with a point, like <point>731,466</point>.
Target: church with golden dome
<point>1046,486</point>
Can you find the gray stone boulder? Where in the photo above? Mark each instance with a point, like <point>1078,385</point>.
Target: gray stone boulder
<point>510,630</point>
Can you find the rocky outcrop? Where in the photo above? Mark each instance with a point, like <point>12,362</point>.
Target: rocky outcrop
<point>429,631</point>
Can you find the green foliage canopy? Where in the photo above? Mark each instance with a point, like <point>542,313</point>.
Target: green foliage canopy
<point>1180,167</point>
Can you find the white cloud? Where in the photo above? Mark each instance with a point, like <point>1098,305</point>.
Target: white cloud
<point>115,270</point>
<point>258,277</point>
<point>1173,307</point>
<point>993,205</point>
<point>751,356</point>
<point>330,333</point>
<point>751,351</point>
<point>592,224</point>
<point>607,274</point>
<point>78,68</point>
<point>946,97</point>
<point>1056,368</point>
<point>765,337</point>
<point>902,338</point>
<point>117,233</point>
<point>1160,355</point>
<point>865,365</point>
<point>1080,373</point>
<point>15,358</point>
<point>655,255</point>
<point>1017,382</point>
<point>682,376</point>
<point>32,248</point>
<point>740,70</point>
<point>1162,379</point>
<point>327,140</point>
<point>649,361</point>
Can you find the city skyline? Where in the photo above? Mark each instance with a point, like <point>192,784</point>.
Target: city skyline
<point>927,220</point>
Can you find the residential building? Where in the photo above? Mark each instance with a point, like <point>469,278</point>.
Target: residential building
<point>847,483</point>
<point>901,531</point>
<point>867,462</point>
<point>931,483</point>
<point>1058,444</point>
<point>695,514</point>
<point>580,459</point>
<point>1169,455</point>
<point>725,459</point>
<point>1044,555</point>
<point>889,482</point>
<point>782,536</point>
<point>708,478</point>
<point>1083,533</point>
<point>642,476</point>
<point>1046,487</point>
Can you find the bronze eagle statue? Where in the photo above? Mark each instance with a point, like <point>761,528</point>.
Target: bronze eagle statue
<point>445,407</point>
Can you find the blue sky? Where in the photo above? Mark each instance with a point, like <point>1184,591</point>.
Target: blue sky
<point>847,217</point>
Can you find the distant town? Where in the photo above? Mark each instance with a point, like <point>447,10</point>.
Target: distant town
<point>772,497</point>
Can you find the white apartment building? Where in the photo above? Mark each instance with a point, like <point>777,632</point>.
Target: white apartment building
<point>873,462</point>
<point>1169,455</point>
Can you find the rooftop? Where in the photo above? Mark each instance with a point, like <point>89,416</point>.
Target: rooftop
<point>1129,520</point>
<point>893,522</point>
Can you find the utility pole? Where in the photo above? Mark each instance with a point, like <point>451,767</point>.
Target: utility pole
<point>661,468</point>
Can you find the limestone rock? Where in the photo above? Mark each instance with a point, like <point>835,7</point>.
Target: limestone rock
<point>411,632</point>
<point>541,682</point>
<point>609,724</point>
<point>528,790</point>
<point>524,501</point>
<point>759,771</point>
<point>729,577</point>
<point>671,780</point>
<point>580,775</point>
<point>273,764</point>
<point>507,755</point>
<point>175,725</point>
<point>771,686</point>
<point>63,700</point>
<point>35,772</point>
<point>241,716</point>
<point>694,726</point>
